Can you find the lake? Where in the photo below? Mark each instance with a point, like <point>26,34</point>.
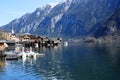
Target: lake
<point>72,62</point>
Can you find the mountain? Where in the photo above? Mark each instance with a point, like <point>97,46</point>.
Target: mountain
<point>82,16</point>
<point>28,22</point>
<point>70,18</point>
<point>109,27</point>
<point>48,25</point>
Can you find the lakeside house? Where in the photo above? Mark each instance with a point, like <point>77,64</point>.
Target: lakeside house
<point>39,40</point>
<point>30,39</point>
<point>3,45</point>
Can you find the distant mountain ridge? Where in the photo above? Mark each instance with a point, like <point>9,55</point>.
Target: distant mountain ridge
<point>71,18</point>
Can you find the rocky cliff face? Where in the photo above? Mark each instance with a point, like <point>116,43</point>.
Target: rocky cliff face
<point>110,26</point>
<point>72,18</point>
<point>83,15</point>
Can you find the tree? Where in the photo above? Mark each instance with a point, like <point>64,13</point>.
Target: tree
<point>1,35</point>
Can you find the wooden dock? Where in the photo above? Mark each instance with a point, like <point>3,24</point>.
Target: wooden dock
<point>11,56</point>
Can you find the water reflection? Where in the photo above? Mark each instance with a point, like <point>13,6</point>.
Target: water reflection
<point>74,62</point>
<point>2,62</point>
<point>91,62</point>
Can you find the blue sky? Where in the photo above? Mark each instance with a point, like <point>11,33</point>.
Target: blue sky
<point>11,9</point>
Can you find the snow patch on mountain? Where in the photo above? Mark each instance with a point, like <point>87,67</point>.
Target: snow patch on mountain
<point>38,14</point>
<point>53,4</point>
<point>54,20</point>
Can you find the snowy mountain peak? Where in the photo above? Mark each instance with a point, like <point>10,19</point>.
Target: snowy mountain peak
<point>66,1</point>
<point>53,4</point>
<point>68,18</point>
<point>44,7</point>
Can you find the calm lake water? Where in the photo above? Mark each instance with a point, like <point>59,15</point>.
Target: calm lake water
<point>74,62</point>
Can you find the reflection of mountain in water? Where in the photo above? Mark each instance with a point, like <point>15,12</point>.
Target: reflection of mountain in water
<point>79,62</point>
<point>75,62</point>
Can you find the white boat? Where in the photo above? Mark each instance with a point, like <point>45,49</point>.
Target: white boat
<point>22,54</point>
<point>29,54</point>
<point>10,55</point>
<point>33,54</point>
<point>65,43</point>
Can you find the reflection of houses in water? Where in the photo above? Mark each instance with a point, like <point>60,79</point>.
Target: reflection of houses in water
<point>2,62</point>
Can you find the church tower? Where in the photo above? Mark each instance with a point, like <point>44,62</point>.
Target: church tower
<point>13,36</point>
<point>12,30</point>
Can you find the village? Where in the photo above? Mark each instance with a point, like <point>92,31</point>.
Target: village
<point>27,40</point>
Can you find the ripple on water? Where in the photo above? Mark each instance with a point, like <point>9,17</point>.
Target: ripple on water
<point>69,63</point>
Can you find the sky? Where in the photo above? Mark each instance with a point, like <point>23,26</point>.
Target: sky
<point>12,9</point>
